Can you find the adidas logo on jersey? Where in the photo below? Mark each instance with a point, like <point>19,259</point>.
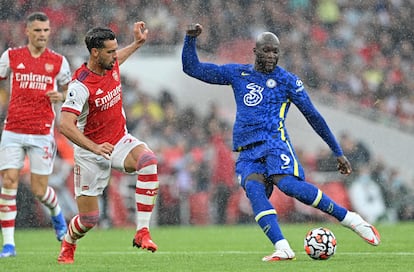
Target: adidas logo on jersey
<point>99,91</point>
<point>21,66</point>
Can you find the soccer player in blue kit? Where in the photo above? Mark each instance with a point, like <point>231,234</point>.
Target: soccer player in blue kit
<point>263,93</point>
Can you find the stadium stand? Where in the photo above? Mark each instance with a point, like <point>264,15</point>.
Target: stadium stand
<point>355,55</point>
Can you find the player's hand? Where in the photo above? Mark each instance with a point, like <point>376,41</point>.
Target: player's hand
<point>344,166</point>
<point>55,96</point>
<point>140,33</point>
<point>105,150</point>
<point>194,30</point>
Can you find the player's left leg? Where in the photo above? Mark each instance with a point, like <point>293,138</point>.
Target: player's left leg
<point>134,157</point>
<point>42,153</point>
<point>47,196</point>
<point>309,194</point>
<point>145,196</point>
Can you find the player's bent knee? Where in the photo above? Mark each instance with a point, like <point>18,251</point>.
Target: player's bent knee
<point>145,159</point>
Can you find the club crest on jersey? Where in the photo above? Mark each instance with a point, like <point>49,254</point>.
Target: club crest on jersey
<point>271,83</point>
<point>254,96</point>
<point>49,67</point>
<point>115,75</point>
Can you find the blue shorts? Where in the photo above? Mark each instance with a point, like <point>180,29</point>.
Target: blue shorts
<point>268,160</point>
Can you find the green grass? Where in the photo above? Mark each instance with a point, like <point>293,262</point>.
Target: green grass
<point>213,248</point>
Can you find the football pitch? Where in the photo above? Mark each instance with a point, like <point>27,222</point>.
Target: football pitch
<point>213,248</point>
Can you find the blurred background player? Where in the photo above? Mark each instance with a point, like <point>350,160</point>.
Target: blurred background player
<point>93,119</point>
<point>263,93</point>
<point>35,73</point>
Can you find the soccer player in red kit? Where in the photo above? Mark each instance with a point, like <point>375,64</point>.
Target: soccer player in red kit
<point>35,74</point>
<point>93,119</point>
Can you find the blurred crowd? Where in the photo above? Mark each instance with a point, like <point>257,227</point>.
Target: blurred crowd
<point>354,54</point>
<point>196,172</point>
<point>354,51</point>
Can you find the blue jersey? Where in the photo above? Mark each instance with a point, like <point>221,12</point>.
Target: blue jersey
<point>262,100</point>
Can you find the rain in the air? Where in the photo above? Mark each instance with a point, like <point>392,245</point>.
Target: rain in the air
<point>166,126</point>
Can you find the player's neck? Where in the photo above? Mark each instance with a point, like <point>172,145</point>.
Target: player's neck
<point>36,51</point>
<point>95,70</point>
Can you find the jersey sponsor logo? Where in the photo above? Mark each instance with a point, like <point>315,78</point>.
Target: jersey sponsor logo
<point>33,81</point>
<point>271,83</point>
<point>21,66</point>
<point>110,99</point>
<point>254,96</point>
<point>245,74</point>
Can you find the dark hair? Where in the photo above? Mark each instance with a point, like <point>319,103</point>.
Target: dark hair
<point>37,16</point>
<point>96,37</point>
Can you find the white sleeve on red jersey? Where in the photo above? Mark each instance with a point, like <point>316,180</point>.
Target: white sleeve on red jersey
<point>4,65</point>
<point>76,97</point>
<point>64,76</point>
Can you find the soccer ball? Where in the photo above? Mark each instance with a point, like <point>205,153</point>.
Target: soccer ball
<point>320,244</point>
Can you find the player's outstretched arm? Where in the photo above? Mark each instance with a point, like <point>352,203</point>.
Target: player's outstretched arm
<point>207,72</point>
<point>140,36</point>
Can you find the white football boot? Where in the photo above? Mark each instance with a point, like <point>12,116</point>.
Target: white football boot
<point>283,252</point>
<point>367,231</point>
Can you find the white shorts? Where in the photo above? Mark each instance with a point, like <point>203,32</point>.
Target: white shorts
<point>40,149</point>
<point>92,172</point>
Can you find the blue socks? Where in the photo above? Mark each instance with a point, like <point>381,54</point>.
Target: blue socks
<point>309,194</point>
<point>265,213</point>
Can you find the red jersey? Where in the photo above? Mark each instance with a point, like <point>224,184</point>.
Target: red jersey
<point>30,110</point>
<point>97,100</point>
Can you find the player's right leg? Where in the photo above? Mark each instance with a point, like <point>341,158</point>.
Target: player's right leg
<point>265,214</point>
<point>266,217</point>
<point>78,226</point>
<point>8,212</point>
<point>91,174</point>
<point>12,155</point>
<point>247,169</point>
